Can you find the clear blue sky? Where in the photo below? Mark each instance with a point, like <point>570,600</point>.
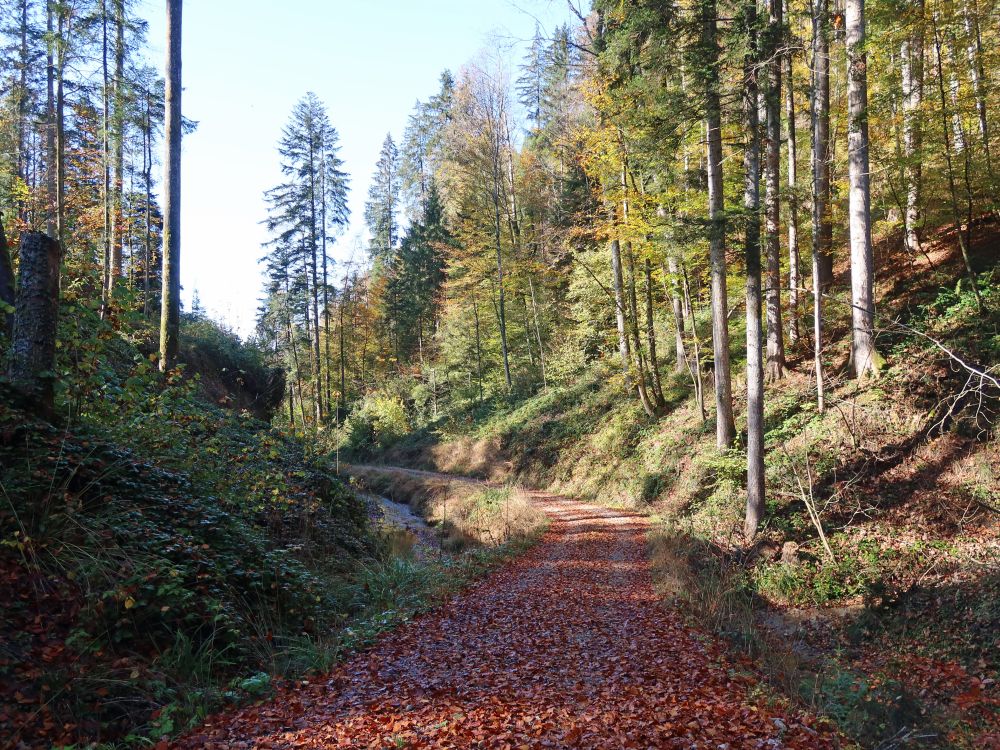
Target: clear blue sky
<point>246,63</point>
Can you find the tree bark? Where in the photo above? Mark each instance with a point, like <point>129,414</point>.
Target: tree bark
<point>677,302</point>
<point>977,71</point>
<point>794,260</point>
<point>912,70</point>
<point>725,427</point>
<point>33,344</point>
<point>50,125</point>
<point>640,369</point>
<point>654,363</point>
<point>949,161</point>
<point>618,284</point>
<point>822,229</point>
<point>772,200</point>
<point>118,136</point>
<point>170,314</point>
<point>61,34</point>
<point>106,240</point>
<point>751,206</point>
<point>864,359</point>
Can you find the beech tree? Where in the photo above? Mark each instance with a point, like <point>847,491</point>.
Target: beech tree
<point>864,359</point>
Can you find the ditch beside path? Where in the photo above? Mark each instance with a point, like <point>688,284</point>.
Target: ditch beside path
<point>566,646</point>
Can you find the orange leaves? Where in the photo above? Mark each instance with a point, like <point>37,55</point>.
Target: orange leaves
<point>566,647</point>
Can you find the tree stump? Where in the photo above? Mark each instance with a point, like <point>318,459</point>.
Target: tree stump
<point>33,344</point>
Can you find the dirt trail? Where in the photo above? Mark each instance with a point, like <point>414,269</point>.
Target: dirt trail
<point>567,646</point>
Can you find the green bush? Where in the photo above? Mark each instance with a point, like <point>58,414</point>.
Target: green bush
<point>376,424</point>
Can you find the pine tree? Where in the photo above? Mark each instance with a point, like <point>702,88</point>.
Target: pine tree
<point>383,203</point>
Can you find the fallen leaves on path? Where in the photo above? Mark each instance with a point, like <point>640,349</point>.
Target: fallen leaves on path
<point>567,646</point>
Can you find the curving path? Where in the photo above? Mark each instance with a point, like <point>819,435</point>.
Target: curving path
<point>564,647</point>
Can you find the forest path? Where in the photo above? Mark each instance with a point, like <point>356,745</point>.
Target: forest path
<point>565,646</point>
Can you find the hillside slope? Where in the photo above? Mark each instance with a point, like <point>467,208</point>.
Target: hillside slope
<point>899,476</point>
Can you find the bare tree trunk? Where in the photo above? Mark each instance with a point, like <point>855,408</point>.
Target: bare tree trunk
<point>794,261</point>
<point>725,427</point>
<point>501,304</point>
<point>108,280</point>
<point>694,367</point>
<point>751,207</point>
<point>342,400</point>
<point>618,285</point>
<point>314,269</point>
<point>680,353</point>
<point>772,200</point>
<point>654,364</point>
<point>170,313</point>
<point>949,160</point>
<point>61,41</point>
<point>50,125</point>
<point>912,70</point>
<point>6,283</point>
<point>864,359</point>
<point>147,170</point>
<point>978,73</point>
<point>118,135</point>
<point>33,344</point>
<point>822,230</point>
<point>640,380</point>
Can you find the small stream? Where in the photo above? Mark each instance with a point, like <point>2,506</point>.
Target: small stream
<point>409,534</point>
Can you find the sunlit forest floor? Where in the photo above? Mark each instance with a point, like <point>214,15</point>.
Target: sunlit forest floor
<point>890,628</point>
<point>564,647</point>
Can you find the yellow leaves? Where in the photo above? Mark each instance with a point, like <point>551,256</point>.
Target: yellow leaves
<point>129,602</point>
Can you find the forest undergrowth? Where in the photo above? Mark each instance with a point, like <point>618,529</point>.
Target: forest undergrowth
<point>163,556</point>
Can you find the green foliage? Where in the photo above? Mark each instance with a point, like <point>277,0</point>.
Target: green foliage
<point>379,421</point>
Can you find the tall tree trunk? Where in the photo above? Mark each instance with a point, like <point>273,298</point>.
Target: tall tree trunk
<point>772,198</point>
<point>912,70</point>
<point>695,366</point>
<point>342,355</point>
<point>978,72</point>
<point>618,283</point>
<point>751,207</point>
<point>640,369</point>
<point>106,239</point>
<point>677,302</point>
<point>33,344</point>
<point>864,359</point>
<point>62,34</point>
<point>725,429</point>
<point>6,284</point>
<point>794,261</point>
<point>501,304</point>
<point>50,123</point>
<point>118,136</point>
<point>326,278</point>
<point>949,161</point>
<point>147,175</point>
<point>314,268</point>
<point>822,229</point>
<point>21,103</point>
<point>654,364</point>
<point>170,312</point>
